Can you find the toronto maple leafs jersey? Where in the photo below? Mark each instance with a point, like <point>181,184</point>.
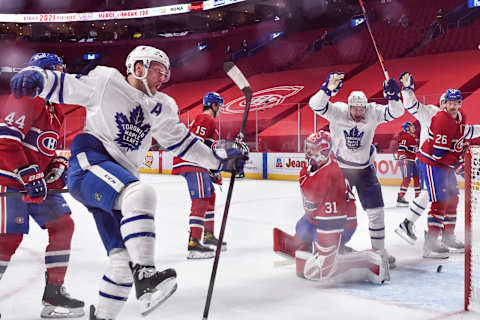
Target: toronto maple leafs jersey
<point>422,112</point>
<point>352,141</point>
<point>125,119</point>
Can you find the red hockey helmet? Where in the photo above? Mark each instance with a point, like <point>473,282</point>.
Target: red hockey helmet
<point>318,146</point>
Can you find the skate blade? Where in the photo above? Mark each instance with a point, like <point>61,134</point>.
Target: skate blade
<point>436,255</point>
<point>401,205</point>
<point>151,301</point>
<point>453,250</point>
<point>224,247</point>
<point>56,312</point>
<point>404,236</point>
<point>200,255</point>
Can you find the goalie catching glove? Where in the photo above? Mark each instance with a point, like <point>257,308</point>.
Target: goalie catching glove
<point>406,79</point>
<point>232,155</point>
<point>56,173</point>
<point>333,83</point>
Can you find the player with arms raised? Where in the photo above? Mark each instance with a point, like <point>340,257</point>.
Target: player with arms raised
<point>123,115</point>
<point>352,127</point>
<point>29,133</point>
<point>328,223</point>
<point>200,183</point>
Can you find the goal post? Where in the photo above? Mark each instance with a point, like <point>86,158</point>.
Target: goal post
<point>472,228</point>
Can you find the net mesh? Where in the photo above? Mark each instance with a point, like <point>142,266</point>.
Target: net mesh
<point>475,229</point>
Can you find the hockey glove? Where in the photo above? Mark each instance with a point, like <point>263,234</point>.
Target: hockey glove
<point>334,82</point>
<point>407,81</point>
<point>56,173</point>
<point>34,183</point>
<point>216,177</point>
<point>391,90</point>
<point>231,155</point>
<point>27,83</point>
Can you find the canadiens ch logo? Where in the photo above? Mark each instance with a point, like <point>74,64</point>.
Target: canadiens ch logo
<point>264,99</point>
<point>47,142</point>
<point>353,138</point>
<point>131,131</point>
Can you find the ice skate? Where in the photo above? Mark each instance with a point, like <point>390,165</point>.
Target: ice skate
<point>391,259</point>
<point>434,249</point>
<point>406,231</point>
<point>451,242</point>
<point>379,258</point>
<point>196,250</point>
<point>401,202</point>
<point>153,287</point>
<point>57,303</point>
<point>211,241</point>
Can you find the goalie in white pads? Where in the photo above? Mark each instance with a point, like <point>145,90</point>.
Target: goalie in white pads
<point>123,115</point>
<point>328,223</point>
<point>352,127</point>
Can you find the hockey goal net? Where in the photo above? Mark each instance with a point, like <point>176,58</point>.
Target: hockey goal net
<point>472,228</point>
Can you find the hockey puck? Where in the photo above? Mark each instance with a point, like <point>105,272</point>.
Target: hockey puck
<point>439,268</point>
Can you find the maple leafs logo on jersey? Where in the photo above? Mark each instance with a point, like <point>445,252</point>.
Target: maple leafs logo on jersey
<point>131,131</point>
<point>353,138</point>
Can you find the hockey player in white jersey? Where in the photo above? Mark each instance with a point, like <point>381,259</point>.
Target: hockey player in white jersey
<point>123,115</point>
<point>352,127</point>
<point>424,114</point>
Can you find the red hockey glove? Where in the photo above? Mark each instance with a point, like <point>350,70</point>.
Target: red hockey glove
<point>56,173</point>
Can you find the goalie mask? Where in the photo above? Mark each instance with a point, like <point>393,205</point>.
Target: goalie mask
<point>146,55</point>
<point>318,146</point>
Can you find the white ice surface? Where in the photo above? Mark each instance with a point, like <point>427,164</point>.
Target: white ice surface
<point>249,284</point>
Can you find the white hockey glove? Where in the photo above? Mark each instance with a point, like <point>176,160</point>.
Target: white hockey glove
<point>333,83</point>
<point>406,79</point>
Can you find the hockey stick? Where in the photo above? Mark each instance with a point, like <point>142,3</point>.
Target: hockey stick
<point>237,76</point>
<point>379,54</point>
<point>22,192</point>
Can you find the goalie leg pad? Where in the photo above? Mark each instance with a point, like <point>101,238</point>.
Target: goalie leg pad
<point>138,202</point>
<point>285,244</point>
<point>115,285</point>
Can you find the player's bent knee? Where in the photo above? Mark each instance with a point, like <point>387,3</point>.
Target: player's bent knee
<point>138,197</point>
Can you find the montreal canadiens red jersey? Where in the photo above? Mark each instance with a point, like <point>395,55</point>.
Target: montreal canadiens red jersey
<point>205,128</point>
<point>446,138</point>
<point>327,200</point>
<point>29,133</point>
<point>407,145</point>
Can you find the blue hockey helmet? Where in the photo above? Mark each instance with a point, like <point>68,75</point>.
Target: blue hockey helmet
<point>212,97</point>
<point>406,125</point>
<point>453,95</point>
<point>45,61</point>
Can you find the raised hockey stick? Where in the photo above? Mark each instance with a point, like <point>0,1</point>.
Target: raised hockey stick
<point>379,54</point>
<point>237,76</point>
<point>22,192</point>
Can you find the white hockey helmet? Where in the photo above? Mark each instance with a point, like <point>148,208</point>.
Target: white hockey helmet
<point>357,99</point>
<point>146,55</point>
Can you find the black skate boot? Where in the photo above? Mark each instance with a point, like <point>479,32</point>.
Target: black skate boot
<point>196,250</point>
<point>211,241</point>
<point>401,202</point>
<point>434,249</point>
<point>451,242</point>
<point>406,231</point>
<point>152,287</point>
<point>58,303</point>
<point>92,314</point>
